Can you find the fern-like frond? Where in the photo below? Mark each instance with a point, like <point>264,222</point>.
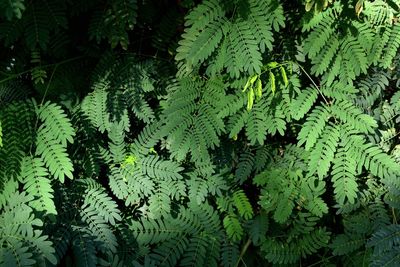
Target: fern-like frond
<point>259,17</point>
<point>258,227</point>
<point>385,243</point>
<point>323,153</point>
<point>245,166</point>
<point>153,231</point>
<point>378,45</point>
<point>40,19</point>
<point>169,252</point>
<point>392,47</point>
<point>230,253</point>
<point>160,201</point>
<point>113,22</point>
<point>54,155</point>
<point>17,121</point>
<point>372,158</point>
<point>346,112</point>
<point>56,123</point>
<point>95,107</point>
<point>117,144</point>
<point>263,156</point>
<point>378,12</point>
<point>118,183</point>
<point>233,227</point>
<point>263,119</point>
<point>314,126</point>
<point>344,178</point>
<point>104,238</point>
<point>103,204</point>
<point>357,58</point>
<point>198,250</point>
<point>323,60</point>
<point>303,102</point>
<point>37,184</point>
<point>280,252</point>
<point>198,124</point>
<point>159,169</point>
<point>242,204</point>
<point>204,13</point>
<point>83,247</point>
<point>20,232</point>
<point>320,36</point>
<point>147,139</point>
<point>246,56</point>
<point>344,244</point>
<point>195,49</point>
<point>198,189</point>
<point>312,242</point>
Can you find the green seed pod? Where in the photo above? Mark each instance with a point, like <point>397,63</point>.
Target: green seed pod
<point>250,99</point>
<point>272,82</point>
<point>250,82</point>
<point>284,76</point>
<point>259,89</point>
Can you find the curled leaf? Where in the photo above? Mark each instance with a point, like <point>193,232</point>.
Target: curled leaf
<point>359,7</point>
<point>309,5</point>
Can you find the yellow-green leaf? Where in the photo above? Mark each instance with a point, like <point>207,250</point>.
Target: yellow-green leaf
<point>130,160</point>
<point>272,64</point>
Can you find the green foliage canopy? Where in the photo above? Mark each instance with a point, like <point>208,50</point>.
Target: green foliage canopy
<point>199,133</point>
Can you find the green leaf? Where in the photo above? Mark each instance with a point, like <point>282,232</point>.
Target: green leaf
<point>233,227</point>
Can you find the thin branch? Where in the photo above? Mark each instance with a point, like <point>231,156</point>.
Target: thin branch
<point>318,263</point>
<point>244,249</point>
<point>14,76</point>
<point>313,82</point>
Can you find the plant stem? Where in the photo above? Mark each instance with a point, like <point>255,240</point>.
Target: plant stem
<point>321,261</point>
<point>14,76</point>
<point>312,81</point>
<point>244,249</point>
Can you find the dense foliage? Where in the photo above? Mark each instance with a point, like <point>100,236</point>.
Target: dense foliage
<point>199,133</point>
